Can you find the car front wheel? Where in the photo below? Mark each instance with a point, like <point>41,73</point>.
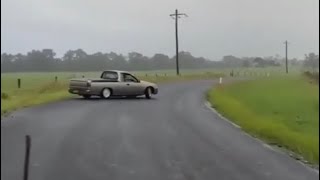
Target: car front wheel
<point>148,93</point>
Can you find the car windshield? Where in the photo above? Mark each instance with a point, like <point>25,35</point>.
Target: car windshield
<point>109,75</point>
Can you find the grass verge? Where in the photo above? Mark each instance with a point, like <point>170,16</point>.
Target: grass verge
<point>24,98</point>
<point>283,111</point>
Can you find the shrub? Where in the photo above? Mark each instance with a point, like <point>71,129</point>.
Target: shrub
<point>314,76</point>
<point>4,95</point>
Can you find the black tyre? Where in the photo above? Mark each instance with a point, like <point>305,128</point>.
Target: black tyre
<point>148,93</point>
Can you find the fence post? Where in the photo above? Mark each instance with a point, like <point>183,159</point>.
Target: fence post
<point>19,83</point>
<point>27,158</point>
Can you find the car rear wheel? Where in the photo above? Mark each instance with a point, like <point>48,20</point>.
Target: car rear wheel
<point>106,93</point>
<point>148,93</point>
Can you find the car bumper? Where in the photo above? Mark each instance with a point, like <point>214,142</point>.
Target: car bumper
<point>155,91</point>
<point>79,91</point>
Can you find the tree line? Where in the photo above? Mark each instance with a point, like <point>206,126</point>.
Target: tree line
<point>79,60</point>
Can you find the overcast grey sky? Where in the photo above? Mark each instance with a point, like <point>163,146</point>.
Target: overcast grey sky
<point>213,29</point>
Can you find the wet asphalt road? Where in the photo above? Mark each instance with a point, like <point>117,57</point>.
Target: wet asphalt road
<point>171,137</point>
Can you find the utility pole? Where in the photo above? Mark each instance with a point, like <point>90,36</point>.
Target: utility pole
<point>286,43</point>
<point>177,15</point>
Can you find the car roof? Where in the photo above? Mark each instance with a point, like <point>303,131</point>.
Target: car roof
<point>117,71</point>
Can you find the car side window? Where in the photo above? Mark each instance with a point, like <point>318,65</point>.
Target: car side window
<point>112,76</point>
<point>129,78</point>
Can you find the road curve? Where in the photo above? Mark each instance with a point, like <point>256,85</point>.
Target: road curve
<point>171,137</point>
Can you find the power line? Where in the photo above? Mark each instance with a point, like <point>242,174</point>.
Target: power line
<point>176,16</point>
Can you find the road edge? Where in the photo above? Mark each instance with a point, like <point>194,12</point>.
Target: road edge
<point>286,152</point>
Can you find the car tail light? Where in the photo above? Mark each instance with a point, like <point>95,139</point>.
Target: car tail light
<point>89,83</point>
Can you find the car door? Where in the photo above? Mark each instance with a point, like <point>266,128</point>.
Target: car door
<point>132,85</point>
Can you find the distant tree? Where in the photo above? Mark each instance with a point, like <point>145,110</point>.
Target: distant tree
<point>19,63</point>
<point>294,62</point>
<point>161,61</point>
<point>259,62</point>
<point>246,63</point>
<point>117,61</point>
<point>76,60</point>
<point>98,62</point>
<point>312,61</point>
<point>201,62</point>
<point>40,60</point>
<point>137,60</point>
<point>48,53</point>
<point>80,54</point>
<point>232,61</point>
<point>7,62</point>
<point>79,60</point>
<point>186,60</point>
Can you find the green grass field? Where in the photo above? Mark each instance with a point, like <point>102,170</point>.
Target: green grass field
<point>38,88</point>
<point>284,111</point>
